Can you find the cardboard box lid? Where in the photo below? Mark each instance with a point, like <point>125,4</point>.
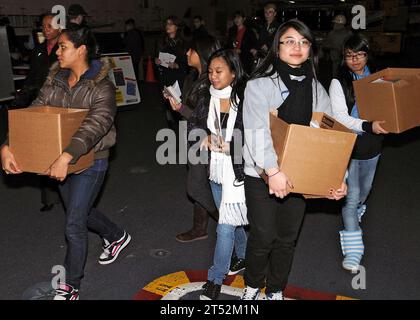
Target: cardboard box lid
<point>51,110</point>
<point>315,159</point>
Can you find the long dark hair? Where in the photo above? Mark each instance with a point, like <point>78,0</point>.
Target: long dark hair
<point>266,68</point>
<point>179,37</point>
<point>204,46</point>
<point>355,42</point>
<point>234,63</point>
<point>82,35</point>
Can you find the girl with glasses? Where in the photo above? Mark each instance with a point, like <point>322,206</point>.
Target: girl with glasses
<point>356,64</point>
<point>285,83</point>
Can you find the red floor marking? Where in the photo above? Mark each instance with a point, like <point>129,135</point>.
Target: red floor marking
<point>307,294</point>
<point>290,292</point>
<point>146,295</point>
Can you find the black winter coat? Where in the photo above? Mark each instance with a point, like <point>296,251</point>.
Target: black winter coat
<point>248,42</point>
<point>39,67</point>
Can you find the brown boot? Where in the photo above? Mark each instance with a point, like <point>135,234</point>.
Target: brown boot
<point>199,229</point>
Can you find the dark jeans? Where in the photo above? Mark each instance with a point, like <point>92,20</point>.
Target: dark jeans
<point>274,229</point>
<point>79,192</point>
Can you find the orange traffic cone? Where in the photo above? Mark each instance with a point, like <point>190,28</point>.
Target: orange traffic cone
<point>150,74</point>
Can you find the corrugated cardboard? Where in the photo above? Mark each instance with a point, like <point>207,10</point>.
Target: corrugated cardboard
<point>384,42</point>
<point>395,102</point>
<point>390,7</point>
<point>38,135</point>
<point>314,159</point>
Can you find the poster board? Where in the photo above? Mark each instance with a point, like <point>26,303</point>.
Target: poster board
<point>124,78</point>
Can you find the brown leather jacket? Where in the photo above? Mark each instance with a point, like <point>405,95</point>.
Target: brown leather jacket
<point>94,92</point>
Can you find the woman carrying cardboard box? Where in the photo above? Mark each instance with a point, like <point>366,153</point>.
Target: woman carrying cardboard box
<point>355,65</point>
<point>79,80</point>
<point>285,83</point>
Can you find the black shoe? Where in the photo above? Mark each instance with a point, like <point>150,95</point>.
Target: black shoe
<point>47,207</point>
<point>236,266</point>
<point>211,291</point>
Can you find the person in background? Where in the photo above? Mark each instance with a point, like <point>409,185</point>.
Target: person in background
<point>177,70</point>
<point>42,58</point>
<point>77,14</point>
<point>335,39</point>
<point>356,64</point>
<point>199,27</point>
<point>198,187</point>
<point>133,41</point>
<point>267,32</point>
<point>243,40</point>
<point>285,84</point>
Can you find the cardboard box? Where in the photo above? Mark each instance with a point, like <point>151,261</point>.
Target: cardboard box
<point>314,159</point>
<point>384,42</point>
<point>368,4</point>
<point>394,99</point>
<point>38,135</point>
<point>390,7</point>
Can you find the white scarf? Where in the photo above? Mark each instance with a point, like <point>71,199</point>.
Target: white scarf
<point>233,210</point>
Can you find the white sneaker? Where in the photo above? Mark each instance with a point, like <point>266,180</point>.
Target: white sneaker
<point>274,296</point>
<point>250,293</point>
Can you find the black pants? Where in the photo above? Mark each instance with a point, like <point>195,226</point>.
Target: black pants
<point>274,229</point>
<point>49,191</point>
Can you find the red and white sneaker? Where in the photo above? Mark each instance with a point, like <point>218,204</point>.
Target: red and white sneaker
<point>66,292</point>
<point>112,250</point>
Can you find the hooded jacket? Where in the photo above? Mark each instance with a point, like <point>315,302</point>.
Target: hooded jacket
<point>94,92</point>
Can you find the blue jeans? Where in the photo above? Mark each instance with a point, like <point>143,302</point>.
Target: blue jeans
<point>228,238</point>
<point>359,183</point>
<point>79,192</point>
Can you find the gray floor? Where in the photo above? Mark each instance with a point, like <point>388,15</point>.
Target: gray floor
<point>149,201</point>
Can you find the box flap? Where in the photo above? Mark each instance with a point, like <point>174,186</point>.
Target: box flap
<point>52,110</point>
<point>327,122</point>
<point>279,133</point>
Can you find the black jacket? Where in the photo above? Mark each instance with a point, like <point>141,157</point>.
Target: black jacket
<point>178,48</point>
<point>267,33</point>
<point>200,32</point>
<point>249,42</point>
<point>39,67</point>
<point>134,43</point>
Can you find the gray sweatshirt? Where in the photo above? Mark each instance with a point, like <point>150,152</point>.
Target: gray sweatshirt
<point>263,95</point>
